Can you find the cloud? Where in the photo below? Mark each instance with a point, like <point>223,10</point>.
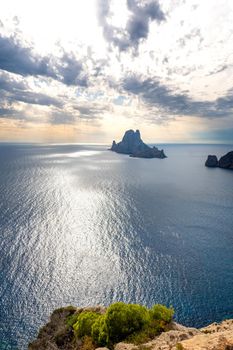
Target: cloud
<point>85,112</point>
<point>60,117</point>
<point>226,102</point>
<point>156,94</point>
<point>12,90</point>
<point>137,26</point>
<point>36,98</point>
<point>10,84</point>
<point>63,110</point>
<point>195,33</point>
<point>92,111</point>
<point>18,59</point>
<point>71,71</point>
<point>220,69</point>
<point>9,113</point>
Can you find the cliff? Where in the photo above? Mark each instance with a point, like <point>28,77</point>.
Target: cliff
<point>133,145</point>
<point>168,335</point>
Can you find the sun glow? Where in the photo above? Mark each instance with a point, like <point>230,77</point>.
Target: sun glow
<point>48,23</point>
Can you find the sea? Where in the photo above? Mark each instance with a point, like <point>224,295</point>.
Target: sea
<point>82,225</point>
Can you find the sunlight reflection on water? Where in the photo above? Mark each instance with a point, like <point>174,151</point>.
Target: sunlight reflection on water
<point>88,226</point>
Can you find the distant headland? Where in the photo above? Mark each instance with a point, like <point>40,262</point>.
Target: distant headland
<point>133,145</point>
<point>225,162</point>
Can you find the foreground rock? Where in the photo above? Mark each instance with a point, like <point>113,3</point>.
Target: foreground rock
<point>225,162</point>
<point>133,145</point>
<point>217,336</point>
<point>56,335</point>
<point>213,337</point>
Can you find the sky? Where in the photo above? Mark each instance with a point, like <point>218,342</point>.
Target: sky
<point>86,71</point>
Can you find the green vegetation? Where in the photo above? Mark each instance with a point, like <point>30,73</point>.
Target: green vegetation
<point>99,332</point>
<point>84,324</point>
<point>123,320</point>
<point>72,319</point>
<point>162,313</point>
<point>129,322</point>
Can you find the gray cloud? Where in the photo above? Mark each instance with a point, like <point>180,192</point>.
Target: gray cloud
<point>137,27</point>
<point>20,60</point>
<point>16,58</point>
<point>90,111</point>
<point>7,112</point>
<point>226,102</point>
<point>10,84</point>
<point>71,71</point>
<point>31,97</point>
<point>176,103</point>
<point>12,90</point>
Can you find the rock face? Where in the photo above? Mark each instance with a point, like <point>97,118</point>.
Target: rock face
<point>211,162</point>
<point>55,334</point>
<point>133,145</point>
<point>225,162</point>
<point>217,336</point>
<point>213,337</point>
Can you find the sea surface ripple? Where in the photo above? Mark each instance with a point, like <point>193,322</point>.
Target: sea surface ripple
<point>82,225</point>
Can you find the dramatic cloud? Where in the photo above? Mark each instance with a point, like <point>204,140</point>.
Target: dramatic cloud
<point>71,71</point>
<point>16,58</point>
<point>137,26</point>
<point>174,103</point>
<point>20,60</point>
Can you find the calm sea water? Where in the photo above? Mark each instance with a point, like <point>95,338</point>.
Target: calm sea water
<point>81,225</point>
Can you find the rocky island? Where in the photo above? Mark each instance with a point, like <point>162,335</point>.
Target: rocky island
<point>225,162</point>
<point>133,145</point>
<point>128,327</point>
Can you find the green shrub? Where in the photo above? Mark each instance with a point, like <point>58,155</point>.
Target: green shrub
<point>125,319</point>
<point>146,334</point>
<point>129,322</point>
<point>84,323</point>
<point>161,313</point>
<point>72,319</point>
<point>99,331</point>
